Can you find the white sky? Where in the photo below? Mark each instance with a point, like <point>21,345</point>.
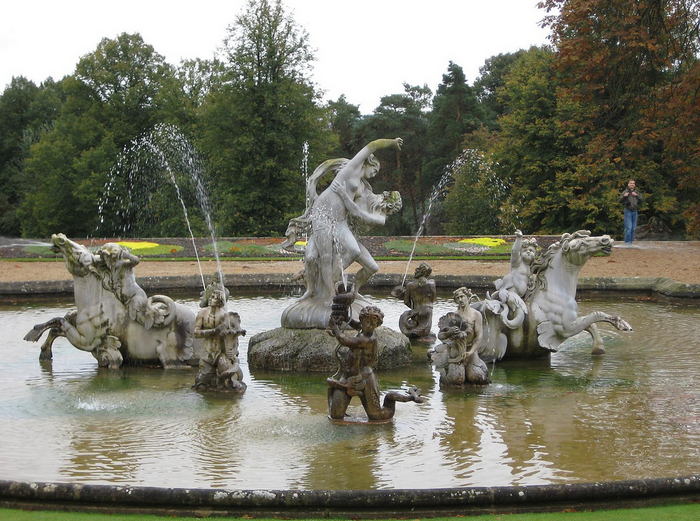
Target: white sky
<point>365,49</point>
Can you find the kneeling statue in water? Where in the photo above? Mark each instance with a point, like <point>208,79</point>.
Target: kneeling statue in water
<point>356,377</point>
<point>219,368</point>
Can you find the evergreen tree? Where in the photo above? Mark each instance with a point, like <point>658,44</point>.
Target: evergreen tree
<point>256,122</point>
<point>456,114</point>
<point>344,120</point>
<point>406,116</point>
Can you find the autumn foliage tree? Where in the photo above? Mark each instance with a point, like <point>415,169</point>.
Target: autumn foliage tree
<point>629,71</point>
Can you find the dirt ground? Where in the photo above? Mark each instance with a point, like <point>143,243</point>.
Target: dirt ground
<point>679,261</point>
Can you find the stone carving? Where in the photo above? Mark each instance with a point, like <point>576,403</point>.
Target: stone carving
<point>551,314</point>
<point>219,368</point>
<point>115,320</point>
<point>511,289</point>
<point>457,359</point>
<point>332,245</point>
<point>420,294</point>
<point>464,297</point>
<point>355,376</point>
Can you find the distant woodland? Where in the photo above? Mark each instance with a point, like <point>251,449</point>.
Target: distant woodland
<point>543,140</point>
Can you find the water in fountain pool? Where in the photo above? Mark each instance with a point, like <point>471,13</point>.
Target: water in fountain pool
<point>634,413</point>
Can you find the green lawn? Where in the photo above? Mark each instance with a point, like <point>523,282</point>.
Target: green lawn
<point>690,512</point>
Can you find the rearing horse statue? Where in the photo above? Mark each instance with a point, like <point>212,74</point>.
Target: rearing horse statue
<point>552,312</point>
<point>114,319</point>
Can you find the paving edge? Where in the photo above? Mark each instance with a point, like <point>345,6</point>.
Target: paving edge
<point>662,286</point>
<point>204,502</point>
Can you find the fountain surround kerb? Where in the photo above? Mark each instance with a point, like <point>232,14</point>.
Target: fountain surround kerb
<point>351,504</point>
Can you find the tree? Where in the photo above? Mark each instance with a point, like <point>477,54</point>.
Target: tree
<point>110,99</point>
<point>478,202</point>
<point>532,151</point>
<point>406,116</point>
<point>493,76</point>
<point>255,124</point>
<point>344,120</point>
<point>456,114</point>
<point>630,67</point>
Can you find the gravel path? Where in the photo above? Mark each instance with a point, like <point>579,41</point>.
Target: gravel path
<point>679,261</point>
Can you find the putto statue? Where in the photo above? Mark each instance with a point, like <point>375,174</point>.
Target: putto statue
<point>219,367</point>
<point>115,320</point>
<point>355,376</point>
<point>548,314</point>
<point>332,246</point>
<point>511,289</point>
<point>457,359</point>
<point>420,294</point>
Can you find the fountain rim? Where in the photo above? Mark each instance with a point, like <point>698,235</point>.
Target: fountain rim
<point>375,503</point>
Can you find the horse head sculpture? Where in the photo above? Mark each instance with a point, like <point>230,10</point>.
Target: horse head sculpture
<point>550,301</point>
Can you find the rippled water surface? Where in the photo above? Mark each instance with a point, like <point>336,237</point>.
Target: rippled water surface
<point>634,413</point>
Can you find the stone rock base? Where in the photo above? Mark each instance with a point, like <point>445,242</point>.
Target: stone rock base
<point>311,350</point>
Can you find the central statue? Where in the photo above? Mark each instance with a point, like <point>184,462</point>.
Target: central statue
<point>329,221</point>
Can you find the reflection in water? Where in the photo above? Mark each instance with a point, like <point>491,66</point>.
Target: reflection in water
<point>634,413</point>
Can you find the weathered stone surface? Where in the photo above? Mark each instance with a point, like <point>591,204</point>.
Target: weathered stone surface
<point>285,349</point>
<point>115,320</point>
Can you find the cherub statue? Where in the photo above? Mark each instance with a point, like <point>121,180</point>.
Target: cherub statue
<point>217,282</point>
<point>463,297</point>
<point>419,295</point>
<point>219,368</point>
<point>511,289</point>
<point>355,374</point>
<point>457,359</point>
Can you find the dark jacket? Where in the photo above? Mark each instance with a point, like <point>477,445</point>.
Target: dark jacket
<point>631,202</point>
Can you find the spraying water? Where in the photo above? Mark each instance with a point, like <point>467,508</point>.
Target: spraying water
<point>437,192</point>
<point>135,182</point>
<point>305,174</point>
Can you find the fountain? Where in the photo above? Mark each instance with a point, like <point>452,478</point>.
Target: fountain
<point>142,167</point>
<point>567,421</point>
<point>550,418</point>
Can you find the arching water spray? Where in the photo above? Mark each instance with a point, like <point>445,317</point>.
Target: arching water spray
<point>437,192</point>
<point>140,167</point>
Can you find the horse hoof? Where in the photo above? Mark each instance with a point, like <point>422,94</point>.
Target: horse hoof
<point>598,351</point>
<point>33,335</point>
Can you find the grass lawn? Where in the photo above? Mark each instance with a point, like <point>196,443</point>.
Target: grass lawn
<point>689,512</point>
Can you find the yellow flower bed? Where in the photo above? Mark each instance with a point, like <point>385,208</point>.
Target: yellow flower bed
<point>485,241</point>
<point>136,245</point>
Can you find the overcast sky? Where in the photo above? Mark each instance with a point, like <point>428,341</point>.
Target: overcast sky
<point>365,49</point>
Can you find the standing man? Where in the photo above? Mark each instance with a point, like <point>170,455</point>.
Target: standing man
<point>630,199</point>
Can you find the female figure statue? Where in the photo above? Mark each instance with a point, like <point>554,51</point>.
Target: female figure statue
<point>332,246</point>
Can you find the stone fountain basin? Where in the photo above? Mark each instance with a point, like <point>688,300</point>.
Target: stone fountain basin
<point>573,420</point>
